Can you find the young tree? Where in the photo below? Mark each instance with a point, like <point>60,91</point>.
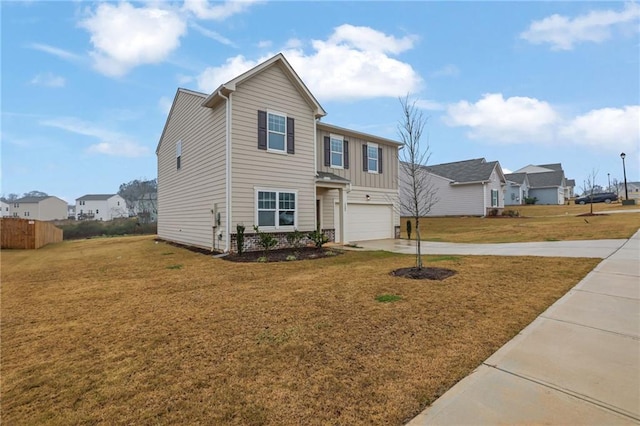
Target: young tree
<point>35,194</point>
<point>417,192</point>
<point>589,187</point>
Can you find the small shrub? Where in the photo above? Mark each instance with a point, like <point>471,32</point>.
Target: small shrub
<point>511,213</point>
<point>240,238</point>
<point>266,241</point>
<point>295,239</point>
<point>408,229</point>
<point>530,200</point>
<point>319,238</point>
<point>292,257</point>
<point>388,298</point>
<point>261,259</point>
<point>493,212</point>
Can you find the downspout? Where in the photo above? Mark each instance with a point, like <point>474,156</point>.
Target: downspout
<point>315,167</point>
<point>227,236</point>
<point>484,198</point>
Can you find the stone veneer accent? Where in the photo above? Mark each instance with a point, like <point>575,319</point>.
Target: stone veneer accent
<point>252,242</point>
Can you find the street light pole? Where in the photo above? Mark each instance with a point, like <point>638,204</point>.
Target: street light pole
<point>624,171</point>
<point>609,179</point>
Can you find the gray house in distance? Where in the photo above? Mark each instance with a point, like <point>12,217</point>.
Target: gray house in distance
<point>547,183</point>
<point>517,189</point>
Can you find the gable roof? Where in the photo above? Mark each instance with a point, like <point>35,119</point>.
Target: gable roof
<point>31,199</point>
<point>569,182</point>
<point>546,179</point>
<point>95,197</point>
<point>223,90</point>
<point>476,170</point>
<point>341,130</point>
<point>516,177</point>
<point>556,167</point>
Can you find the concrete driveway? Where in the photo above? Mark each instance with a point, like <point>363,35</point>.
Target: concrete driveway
<point>595,248</point>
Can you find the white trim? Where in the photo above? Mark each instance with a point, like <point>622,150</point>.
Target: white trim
<point>374,146</point>
<point>284,148</point>
<point>277,227</point>
<point>341,139</point>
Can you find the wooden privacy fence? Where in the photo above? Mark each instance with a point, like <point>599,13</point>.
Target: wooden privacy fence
<point>19,233</point>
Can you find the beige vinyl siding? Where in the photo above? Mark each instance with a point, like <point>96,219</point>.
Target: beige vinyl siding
<point>52,208</point>
<point>271,90</point>
<point>186,197</point>
<point>386,180</point>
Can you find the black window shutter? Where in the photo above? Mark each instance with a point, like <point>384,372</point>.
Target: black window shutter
<point>327,151</point>
<point>290,136</point>
<point>262,130</point>
<point>365,159</point>
<point>379,160</point>
<point>346,154</point>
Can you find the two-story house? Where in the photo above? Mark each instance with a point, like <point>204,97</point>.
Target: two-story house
<point>255,153</point>
<point>6,208</point>
<point>39,208</point>
<point>100,207</point>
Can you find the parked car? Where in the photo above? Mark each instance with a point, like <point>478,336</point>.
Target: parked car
<point>605,197</point>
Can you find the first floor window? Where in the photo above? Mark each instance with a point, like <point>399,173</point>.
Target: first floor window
<point>276,208</point>
<point>494,198</point>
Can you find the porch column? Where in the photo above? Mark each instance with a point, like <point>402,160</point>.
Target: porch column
<point>343,213</point>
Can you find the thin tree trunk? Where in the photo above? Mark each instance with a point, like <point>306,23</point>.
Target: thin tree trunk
<point>419,251</point>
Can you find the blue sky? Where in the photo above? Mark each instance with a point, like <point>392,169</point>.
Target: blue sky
<point>86,86</point>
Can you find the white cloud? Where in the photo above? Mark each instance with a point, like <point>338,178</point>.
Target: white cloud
<point>124,36</point>
<point>55,51</point>
<point>293,43</point>
<point>202,9</point>
<point>48,79</point>
<point>110,142</point>
<point>353,63</point>
<point>515,119</point>
<point>184,79</point>
<point>563,32</point>
<point>617,128</point>
<point>506,171</point>
<point>265,44</point>
<point>430,105</point>
<point>212,35</point>
<point>522,120</point>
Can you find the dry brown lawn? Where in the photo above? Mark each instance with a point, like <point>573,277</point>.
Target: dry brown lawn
<point>127,331</point>
<point>537,223</point>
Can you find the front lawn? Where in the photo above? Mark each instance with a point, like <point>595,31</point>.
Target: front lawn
<point>112,331</point>
<point>548,223</point>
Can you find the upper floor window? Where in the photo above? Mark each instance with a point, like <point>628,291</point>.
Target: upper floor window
<point>337,151</point>
<point>371,158</point>
<point>276,132</point>
<point>178,154</point>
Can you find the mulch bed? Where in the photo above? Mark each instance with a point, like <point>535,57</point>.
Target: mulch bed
<point>281,255</point>
<point>426,273</point>
<point>592,214</point>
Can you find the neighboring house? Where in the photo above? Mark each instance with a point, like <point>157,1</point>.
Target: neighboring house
<point>548,184</point>
<point>633,188</point>
<point>254,153</point>
<point>100,207</point>
<point>517,189</point>
<point>71,211</point>
<point>6,209</point>
<point>39,208</point>
<point>464,188</point>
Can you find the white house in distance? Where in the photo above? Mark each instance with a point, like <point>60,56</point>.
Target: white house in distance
<point>6,209</point>
<point>100,207</point>
<point>39,208</point>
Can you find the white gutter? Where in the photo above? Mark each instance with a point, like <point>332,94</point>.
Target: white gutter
<point>227,236</point>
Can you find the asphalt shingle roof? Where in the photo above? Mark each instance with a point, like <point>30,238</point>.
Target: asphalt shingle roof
<point>330,177</point>
<point>95,197</point>
<point>556,167</point>
<point>516,177</point>
<point>475,170</point>
<point>546,179</point>
<point>30,199</point>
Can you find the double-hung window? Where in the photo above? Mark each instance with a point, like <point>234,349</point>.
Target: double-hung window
<point>178,154</point>
<point>372,158</point>
<point>337,151</point>
<point>277,131</point>
<point>276,209</point>
<point>494,198</point>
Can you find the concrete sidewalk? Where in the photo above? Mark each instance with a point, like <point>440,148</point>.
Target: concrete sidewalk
<point>588,248</point>
<point>577,363</point>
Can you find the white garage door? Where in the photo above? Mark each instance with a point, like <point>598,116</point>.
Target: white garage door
<point>369,222</point>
